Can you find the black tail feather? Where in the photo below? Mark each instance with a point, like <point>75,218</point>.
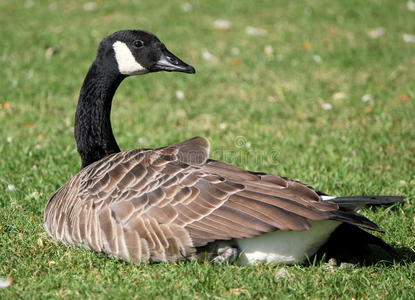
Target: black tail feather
<point>356,202</point>
<point>354,218</point>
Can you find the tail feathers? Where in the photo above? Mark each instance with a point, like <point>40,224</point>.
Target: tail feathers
<point>349,243</point>
<point>354,218</point>
<point>357,202</point>
<point>349,206</point>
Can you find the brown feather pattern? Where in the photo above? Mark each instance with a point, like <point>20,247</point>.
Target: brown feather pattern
<point>159,205</point>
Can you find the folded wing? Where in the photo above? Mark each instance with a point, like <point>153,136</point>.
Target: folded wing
<point>161,204</point>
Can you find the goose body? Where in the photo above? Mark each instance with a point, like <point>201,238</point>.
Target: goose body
<point>174,203</point>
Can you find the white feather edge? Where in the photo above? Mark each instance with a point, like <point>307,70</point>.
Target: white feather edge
<point>127,64</point>
<point>327,198</point>
<point>285,247</point>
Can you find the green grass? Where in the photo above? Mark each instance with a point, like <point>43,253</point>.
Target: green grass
<point>271,103</point>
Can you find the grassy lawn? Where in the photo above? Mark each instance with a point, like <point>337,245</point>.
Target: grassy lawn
<point>321,91</point>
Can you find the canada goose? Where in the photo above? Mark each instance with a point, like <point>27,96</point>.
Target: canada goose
<point>174,203</point>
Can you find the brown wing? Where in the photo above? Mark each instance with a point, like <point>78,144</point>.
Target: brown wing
<point>160,204</point>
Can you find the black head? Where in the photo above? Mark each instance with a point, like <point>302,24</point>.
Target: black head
<point>138,52</point>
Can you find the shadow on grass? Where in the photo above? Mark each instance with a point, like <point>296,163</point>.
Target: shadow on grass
<point>406,255</point>
<point>354,245</point>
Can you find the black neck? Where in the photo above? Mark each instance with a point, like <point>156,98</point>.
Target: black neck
<point>93,131</point>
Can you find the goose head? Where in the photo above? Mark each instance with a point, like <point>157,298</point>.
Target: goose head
<point>138,52</point>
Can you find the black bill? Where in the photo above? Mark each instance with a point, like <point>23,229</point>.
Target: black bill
<point>171,63</point>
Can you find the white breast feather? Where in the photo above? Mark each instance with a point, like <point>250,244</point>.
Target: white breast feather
<point>127,64</point>
<point>286,247</point>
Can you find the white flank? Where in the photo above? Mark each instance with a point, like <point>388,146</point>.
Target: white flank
<point>285,247</point>
<point>127,65</point>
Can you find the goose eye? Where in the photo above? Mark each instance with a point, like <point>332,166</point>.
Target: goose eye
<point>138,44</point>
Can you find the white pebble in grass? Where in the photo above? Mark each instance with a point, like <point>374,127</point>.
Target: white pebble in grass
<point>338,96</point>
<point>5,282</point>
<point>331,264</point>
<point>180,95</point>
<point>282,274</point>
<point>206,55</point>
<point>50,52</point>
<point>268,50</point>
<point>141,141</point>
<point>408,38</point>
<point>89,6</point>
<point>223,126</point>
<point>376,32</point>
<point>11,187</point>
<point>347,266</point>
<point>235,51</point>
<point>410,5</point>
<point>34,195</point>
<point>326,106</point>
<point>317,58</point>
<point>187,7</point>
<point>366,97</point>
<point>222,24</point>
<point>255,31</point>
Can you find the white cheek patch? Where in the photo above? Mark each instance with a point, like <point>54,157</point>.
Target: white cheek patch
<point>127,65</point>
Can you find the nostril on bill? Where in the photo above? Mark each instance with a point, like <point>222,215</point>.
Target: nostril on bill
<point>172,60</point>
